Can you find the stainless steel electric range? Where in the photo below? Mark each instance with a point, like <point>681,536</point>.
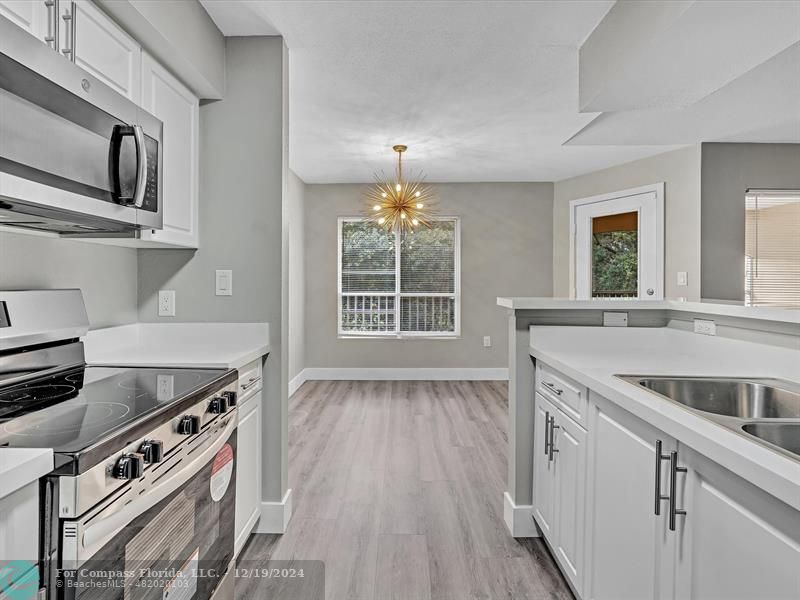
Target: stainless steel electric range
<point>143,490</point>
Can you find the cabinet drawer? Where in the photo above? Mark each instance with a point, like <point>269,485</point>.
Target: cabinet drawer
<point>569,395</point>
<point>249,378</point>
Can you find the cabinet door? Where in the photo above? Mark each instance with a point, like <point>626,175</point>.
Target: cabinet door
<point>248,470</point>
<point>33,16</point>
<point>735,542</point>
<point>178,108</point>
<point>101,47</point>
<point>569,447</point>
<point>628,546</point>
<point>543,468</point>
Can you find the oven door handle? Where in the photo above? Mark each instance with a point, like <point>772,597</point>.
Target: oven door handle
<point>106,528</point>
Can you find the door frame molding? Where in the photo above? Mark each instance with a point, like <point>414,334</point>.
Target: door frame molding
<point>657,188</point>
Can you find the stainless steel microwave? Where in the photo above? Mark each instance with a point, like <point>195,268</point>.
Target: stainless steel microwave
<point>76,157</point>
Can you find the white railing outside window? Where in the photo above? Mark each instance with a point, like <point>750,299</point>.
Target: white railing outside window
<point>399,284</point>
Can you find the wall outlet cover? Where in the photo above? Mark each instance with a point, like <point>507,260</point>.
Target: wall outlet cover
<point>224,282</point>
<point>615,319</point>
<point>705,327</point>
<point>487,341</point>
<point>166,303</point>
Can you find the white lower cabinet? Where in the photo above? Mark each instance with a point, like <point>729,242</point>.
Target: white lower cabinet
<point>543,468</point>
<point>628,548</point>
<point>559,479</point>
<point>248,468</point>
<point>735,542</point>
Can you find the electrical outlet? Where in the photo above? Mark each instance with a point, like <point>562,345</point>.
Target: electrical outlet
<point>683,278</point>
<point>705,327</point>
<point>224,282</point>
<point>615,319</point>
<point>487,341</point>
<point>166,303</point>
<point>165,387</point>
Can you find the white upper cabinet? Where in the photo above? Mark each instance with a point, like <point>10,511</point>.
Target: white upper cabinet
<point>96,44</point>
<point>178,108</point>
<point>33,16</point>
<point>735,541</point>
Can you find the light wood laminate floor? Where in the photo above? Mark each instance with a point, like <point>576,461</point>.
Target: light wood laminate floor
<point>398,488</point>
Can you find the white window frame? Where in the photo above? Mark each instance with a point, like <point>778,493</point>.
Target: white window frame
<point>397,294</point>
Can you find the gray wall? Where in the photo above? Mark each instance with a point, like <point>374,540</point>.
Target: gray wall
<point>506,250</point>
<point>241,212</point>
<point>106,274</point>
<point>680,171</point>
<point>181,35</point>
<point>297,288</point>
<point>728,170</point>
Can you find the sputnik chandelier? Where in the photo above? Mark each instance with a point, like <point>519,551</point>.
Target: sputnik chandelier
<point>400,204</point>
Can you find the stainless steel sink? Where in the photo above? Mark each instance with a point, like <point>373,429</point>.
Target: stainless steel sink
<point>740,398</point>
<point>764,410</point>
<point>782,435</point>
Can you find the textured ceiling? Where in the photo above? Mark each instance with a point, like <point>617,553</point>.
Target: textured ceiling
<point>480,91</point>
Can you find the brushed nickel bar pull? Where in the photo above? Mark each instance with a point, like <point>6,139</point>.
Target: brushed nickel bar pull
<point>659,497</point>
<point>69,23</point>
<point>674,469</point>
<point>547,433</point>
<point>553,427</point>
<point>52,24</point>
<point>552,388</point>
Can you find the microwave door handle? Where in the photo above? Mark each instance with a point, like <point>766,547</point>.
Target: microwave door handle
<point>115,147</point>
<point>141,166</point>
<point>102,530</point>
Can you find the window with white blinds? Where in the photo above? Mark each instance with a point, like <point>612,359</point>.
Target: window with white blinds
<point>399,284</point>
<point>772,248</point>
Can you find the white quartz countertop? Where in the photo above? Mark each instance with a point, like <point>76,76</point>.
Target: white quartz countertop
<point>21,466</point>
<point>729,310</point>
<point>189,345</point>
<point>594,355</point>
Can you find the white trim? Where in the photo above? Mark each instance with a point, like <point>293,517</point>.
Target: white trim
<point>275,515</point>
<point>297,381</point>
<point>397,295</point>
<point>658,189</point>
<point>519,518</point>
<point>403,374</point>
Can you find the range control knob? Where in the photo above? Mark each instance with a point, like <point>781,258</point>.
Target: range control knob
<point>231,397</point>
<point>129,466</point>
<point>189,425</point>
<point>152,451</point>
<point>218,405</point>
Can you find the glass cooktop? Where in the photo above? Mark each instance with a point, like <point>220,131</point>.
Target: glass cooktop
<point>70,411</point>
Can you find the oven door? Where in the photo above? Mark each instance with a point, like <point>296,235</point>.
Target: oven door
<point>69,144</point>
<point>169,534</point>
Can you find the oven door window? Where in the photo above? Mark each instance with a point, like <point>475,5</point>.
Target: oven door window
<point>180,548</point>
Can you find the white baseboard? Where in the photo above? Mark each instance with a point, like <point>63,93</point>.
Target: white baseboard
<point>519,518</point>
<point>275,515</point>
<point>398,374</point>
<point>296,382</point>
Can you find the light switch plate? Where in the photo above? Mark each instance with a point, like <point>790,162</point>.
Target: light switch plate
<point>615,319</point>
<point>224,282</point>
<point>166,303</point>
<point>487,341</point>
<point>683,278</point>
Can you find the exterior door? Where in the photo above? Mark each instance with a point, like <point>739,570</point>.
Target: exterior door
<point>618,245</point>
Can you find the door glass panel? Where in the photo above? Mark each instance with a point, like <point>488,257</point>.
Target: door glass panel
<point>615,255</point>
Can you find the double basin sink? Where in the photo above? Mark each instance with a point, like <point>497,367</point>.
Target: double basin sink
<point>766,410</point>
